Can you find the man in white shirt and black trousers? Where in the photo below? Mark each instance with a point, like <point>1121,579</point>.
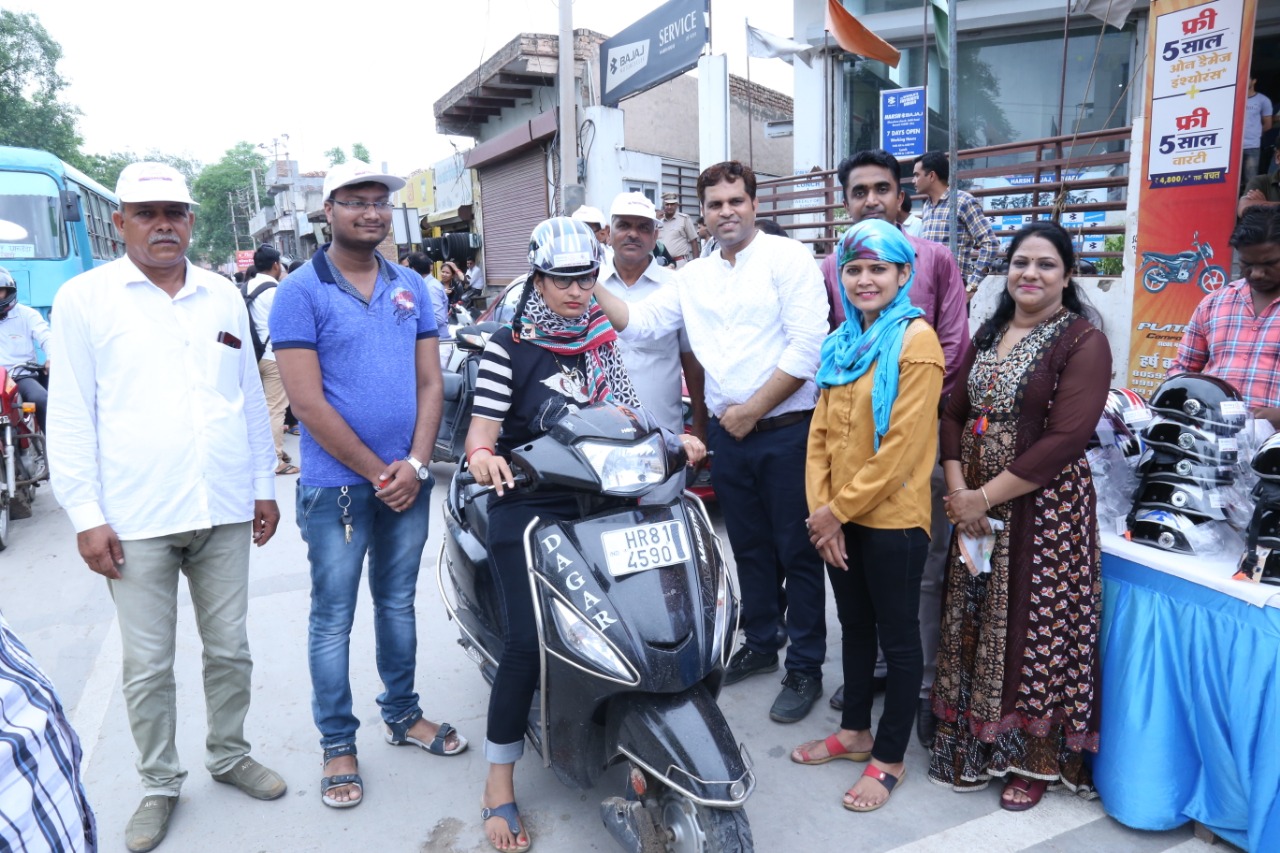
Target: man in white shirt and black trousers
<point>755,315</point>
<point>160,452</point>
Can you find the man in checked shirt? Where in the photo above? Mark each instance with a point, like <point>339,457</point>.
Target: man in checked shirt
<point>978,244</point>
<point>1234,333</point>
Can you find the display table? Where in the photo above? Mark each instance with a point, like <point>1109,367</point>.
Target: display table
<point>1190,696</point>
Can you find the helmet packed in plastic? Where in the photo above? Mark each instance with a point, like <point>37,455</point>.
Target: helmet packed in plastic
<point>1201,400</point>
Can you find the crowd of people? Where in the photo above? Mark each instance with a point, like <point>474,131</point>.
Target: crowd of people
<point>863,440</point>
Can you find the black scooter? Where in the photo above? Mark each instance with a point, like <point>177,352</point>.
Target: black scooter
<point>460,393</point>
<point>636,615</point>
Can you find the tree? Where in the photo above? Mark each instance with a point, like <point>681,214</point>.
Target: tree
<point>106,168</point>
<point>337,156</point>
<point>218,188</point>
<point>31,114</point>
<point>359,152</point>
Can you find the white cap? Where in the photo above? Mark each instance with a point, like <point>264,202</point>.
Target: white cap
<point>633,204</point>
<point>358,172</point>
<point>152,182</point>
<point>590,215</point>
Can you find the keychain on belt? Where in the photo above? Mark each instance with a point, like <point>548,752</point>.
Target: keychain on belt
<point>344,504</point>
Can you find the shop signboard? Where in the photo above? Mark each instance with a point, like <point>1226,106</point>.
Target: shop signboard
<point>244,258</point>
<point>903,120</point>
<point>1197,77</point>
<point>663,44</point>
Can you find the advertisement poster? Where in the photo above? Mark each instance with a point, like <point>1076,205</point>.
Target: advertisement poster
<point>903,116</point>
<point>1197,77</point>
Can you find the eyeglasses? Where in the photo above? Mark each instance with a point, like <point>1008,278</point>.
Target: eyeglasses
<point>362,206</point>
<point>584,282</point>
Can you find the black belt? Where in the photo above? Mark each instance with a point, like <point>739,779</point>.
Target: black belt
<point>780,421</point>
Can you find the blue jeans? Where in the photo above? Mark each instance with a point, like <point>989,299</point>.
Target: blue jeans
<point>394,543</point>
<point>759,482</point>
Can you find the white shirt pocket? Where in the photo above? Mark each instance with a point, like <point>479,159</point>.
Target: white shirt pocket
<point>223,369</point>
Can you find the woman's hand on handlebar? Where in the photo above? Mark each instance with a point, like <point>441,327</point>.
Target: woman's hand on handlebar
<point>694,449</point>
<point>489,469</point>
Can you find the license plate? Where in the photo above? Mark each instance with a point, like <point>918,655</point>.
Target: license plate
<point>645,546</point>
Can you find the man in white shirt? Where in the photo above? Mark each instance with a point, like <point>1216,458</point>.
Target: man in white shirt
<point>260,295</point>
<point>160,452</point>
<point>755,315</point>
<point>654,365</point>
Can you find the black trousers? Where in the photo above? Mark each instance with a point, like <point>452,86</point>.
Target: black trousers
<point>878,598</point>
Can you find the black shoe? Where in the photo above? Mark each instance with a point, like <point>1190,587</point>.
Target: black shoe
<point>926,723</point>
<point>799,692</point>
<point>747,663</point>
<point>837,699</point>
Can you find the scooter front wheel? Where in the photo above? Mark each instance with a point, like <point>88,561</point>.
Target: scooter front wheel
<point>694,828</point>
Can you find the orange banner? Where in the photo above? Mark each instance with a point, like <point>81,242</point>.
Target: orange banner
<point>1197,78</point>
<point>850,34</point>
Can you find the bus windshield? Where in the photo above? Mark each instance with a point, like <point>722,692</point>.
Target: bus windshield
<point>30,220</point>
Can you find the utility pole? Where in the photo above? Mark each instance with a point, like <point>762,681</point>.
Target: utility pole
<point>253,173</point>
<point>953,209</point>
<point>570,193</point>
<point>235,232</point>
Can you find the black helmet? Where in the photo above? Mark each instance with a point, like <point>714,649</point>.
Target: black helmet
<point>1264,533</point>
<point>1162,528</point>
<point>1203,400</point>
<point>1159,462</point>
<point>8,292</point>
<point>1266,461</point>
<point>1181,495</point>
<point>1188,441</point>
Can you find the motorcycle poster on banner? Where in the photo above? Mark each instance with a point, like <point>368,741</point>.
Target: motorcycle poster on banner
<point>1197,77</point>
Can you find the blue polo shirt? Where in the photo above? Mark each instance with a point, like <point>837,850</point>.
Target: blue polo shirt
<point>367,355</point>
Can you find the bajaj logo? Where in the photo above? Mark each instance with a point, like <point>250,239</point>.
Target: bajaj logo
<point>625,61</point>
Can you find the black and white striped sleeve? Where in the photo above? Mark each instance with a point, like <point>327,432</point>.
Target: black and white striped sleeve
<point>493,382</point>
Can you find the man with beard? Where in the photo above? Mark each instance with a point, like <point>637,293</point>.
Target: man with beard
<point>151,339</point>
<point>359,353</point>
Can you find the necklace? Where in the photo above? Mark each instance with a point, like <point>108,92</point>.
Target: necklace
<point>573,382</point>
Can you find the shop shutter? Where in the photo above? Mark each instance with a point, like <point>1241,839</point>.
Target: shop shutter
<point>513,199</point>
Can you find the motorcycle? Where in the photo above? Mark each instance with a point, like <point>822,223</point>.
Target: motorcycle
<point>1160,269</point>
<point>636,615</point>
<point>460,392</point>
<point>22,445</point>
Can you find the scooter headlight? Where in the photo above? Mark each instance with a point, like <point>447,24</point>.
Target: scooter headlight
<point>627,469</point>
<point>589,643</point>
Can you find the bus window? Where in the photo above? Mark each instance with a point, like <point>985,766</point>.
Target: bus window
<point>30,217</point>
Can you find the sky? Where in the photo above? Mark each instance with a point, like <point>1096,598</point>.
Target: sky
<point>148,75</point>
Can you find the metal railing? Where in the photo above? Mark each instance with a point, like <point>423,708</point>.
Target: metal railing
<point>1030,179</point>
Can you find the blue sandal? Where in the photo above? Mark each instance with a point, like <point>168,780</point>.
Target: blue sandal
<point>397,734</point>
<point>328,783</point>
<point>511,814</point>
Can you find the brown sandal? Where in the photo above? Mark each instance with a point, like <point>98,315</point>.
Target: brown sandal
<point>1032,789</point>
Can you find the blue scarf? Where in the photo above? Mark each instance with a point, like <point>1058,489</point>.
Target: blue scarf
<point>851,351</point>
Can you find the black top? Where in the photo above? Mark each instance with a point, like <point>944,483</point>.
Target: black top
<point>526,387</point>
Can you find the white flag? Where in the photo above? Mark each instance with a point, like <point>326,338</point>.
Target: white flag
<point>1113,12</point>
<point>768,46</point>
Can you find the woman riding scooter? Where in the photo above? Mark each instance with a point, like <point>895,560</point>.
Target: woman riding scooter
<point>558,352</point>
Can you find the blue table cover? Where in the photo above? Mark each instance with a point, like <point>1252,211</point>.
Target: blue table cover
<point>1190,707</point>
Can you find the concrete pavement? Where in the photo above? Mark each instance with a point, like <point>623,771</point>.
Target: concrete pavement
<point>420,802</point>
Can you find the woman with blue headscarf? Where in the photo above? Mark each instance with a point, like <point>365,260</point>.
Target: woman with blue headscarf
<point>872,446</point>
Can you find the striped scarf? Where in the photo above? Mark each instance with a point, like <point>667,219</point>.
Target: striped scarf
<point>592,334</point>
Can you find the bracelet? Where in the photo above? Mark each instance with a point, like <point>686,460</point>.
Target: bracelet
<point>983,489</point>
<point>477,450</point>
<point>954,492</point>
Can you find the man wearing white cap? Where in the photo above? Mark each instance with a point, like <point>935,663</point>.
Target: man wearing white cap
<point>359,352</point>
<point>595,219</point>
<point>160,452</point>
<point>677,231</point>
<point>654,365</point>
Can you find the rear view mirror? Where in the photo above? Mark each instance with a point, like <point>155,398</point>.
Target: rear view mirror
<point>70,206</point>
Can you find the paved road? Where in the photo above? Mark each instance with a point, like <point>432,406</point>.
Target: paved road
<point>418,802</point>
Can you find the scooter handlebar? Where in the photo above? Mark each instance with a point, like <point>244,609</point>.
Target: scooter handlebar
<point>466,478</point>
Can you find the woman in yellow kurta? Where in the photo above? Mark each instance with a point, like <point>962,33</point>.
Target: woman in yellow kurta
<point>872,446</point>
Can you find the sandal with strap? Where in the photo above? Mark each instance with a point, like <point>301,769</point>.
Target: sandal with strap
<point>397,734</point>
<point>888,780</point>
<point>1032,789</point>
<point>328,783</point>
<point>511,814</point>
<point>835,749</point>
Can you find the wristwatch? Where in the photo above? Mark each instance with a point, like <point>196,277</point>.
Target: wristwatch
<point>419,469</point>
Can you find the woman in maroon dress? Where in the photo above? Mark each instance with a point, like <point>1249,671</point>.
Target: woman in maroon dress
<point>1016,692</point>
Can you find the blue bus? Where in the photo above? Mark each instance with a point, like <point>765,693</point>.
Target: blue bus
<point>55,223</point>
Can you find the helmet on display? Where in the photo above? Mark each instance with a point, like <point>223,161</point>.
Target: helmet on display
<point>1187,441</point>
<point>1171,531</point>
<point>1203,400</point>
<point>1123,416</point>
<point>564,246</point>
<point>8,292</point>
<point>1266,461</point>
<point>1181,496</point>
<point>1164,464</point>
<point>1265,526</point>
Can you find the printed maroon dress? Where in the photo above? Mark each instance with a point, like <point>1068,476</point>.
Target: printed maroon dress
<point>1017,681</point>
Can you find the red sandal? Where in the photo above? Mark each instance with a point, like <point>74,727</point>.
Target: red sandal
<point>1033,789</point>
<point>835,749</point>
<point>888,780</point>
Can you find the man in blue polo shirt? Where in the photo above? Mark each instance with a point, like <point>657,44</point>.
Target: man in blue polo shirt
<point>358,350</point>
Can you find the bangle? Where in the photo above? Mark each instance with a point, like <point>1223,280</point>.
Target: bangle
<point>983,489</point>
<point>476,450</point>
<point>957,491</point>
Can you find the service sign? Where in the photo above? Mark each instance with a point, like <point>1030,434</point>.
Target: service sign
<point>1197,76</point>
<point>663,44</point>
<point>903,120</point>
